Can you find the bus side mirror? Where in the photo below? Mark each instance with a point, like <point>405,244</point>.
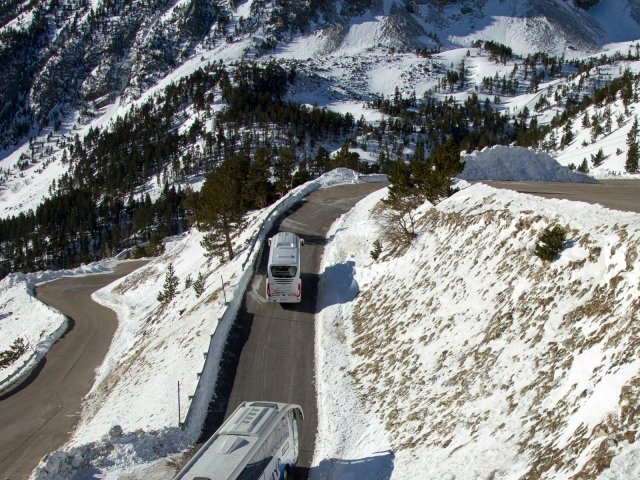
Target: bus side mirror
<point>301,241</point>
<point>269,242</point>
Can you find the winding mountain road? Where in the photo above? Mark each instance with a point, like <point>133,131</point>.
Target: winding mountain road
<point>270,352</point>
<point>38,416</point>
<point>615,194</point>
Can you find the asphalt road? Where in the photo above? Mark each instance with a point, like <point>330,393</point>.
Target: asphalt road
<point>38,416</point>
<point>270,353</point>
<point>614,194</point>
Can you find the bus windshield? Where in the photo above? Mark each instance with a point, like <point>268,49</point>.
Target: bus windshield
<point>283,271</point>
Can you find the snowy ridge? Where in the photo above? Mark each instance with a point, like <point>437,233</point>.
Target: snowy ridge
<point>518,164</point>
<point>475,358</point>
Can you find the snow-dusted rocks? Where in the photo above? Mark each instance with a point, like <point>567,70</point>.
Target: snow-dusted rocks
<point>517,164</point>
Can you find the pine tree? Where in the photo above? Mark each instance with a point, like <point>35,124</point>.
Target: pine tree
<point>550,243</point>
<point>584,166</point>
<point>608,119</point>
<point>400,180</point>
<point>567,135</point>
<point>345,158</point>
<point>302,175</point>
<point>376,250</point>
<point>433,182</point>
<point>170,286</point>
<point>198,285</point>
<point>221,206</point>
<point>633,156</point>
<point>598,158</point>
<point>258,187</point>
<point>283,171</point>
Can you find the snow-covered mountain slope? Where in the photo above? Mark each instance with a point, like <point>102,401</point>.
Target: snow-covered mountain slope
<point>602,127</point>
<point>72,66</point>
<point>551,26</point>
<point>83,56</point>
<point>466,356</point>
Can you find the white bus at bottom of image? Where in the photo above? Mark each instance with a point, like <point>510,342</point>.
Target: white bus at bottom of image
<point>259,441</point>
<point>283,270</point>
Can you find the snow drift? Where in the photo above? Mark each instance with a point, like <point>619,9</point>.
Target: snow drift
<point>517,164</point>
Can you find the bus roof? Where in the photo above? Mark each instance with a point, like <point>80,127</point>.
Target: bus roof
<point>226,450</point>
<point>285,249</point>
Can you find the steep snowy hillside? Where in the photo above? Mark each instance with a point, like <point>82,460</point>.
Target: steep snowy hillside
<point>73,56</point>
<point>75,68</point>
<point>466,356</point>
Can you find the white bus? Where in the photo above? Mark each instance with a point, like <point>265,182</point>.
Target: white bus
<point>259,441</point>
<point>283,270</point>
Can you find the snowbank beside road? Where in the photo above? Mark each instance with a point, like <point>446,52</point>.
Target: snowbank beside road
<point>467,356</point>
<point>502,163</point>
<point>24,318</point>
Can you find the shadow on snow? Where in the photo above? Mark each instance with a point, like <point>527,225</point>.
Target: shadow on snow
<point>376,467</point>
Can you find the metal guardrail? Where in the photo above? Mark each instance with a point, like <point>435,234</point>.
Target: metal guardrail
<point>199,401</point>
<point>208,375</point>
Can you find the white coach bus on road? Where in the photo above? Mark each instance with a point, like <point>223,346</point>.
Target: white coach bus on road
<point>283,270</point>
<point>259,441</point>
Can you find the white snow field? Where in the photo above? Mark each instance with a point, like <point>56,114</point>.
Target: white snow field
<point>465,356</point>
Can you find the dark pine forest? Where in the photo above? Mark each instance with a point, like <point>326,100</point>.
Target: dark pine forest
<point>236,119</point>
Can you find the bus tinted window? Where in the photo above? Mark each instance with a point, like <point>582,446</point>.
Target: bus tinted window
<point>280,434</point>
<point>283,271</point>
<point>254,470</point>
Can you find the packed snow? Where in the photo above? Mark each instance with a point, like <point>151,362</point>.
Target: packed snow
<point>517,164</point>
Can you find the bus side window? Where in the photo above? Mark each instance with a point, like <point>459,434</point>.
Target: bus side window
<point>280,435</point>
<point>255,468</point>
<point>294,426</point>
